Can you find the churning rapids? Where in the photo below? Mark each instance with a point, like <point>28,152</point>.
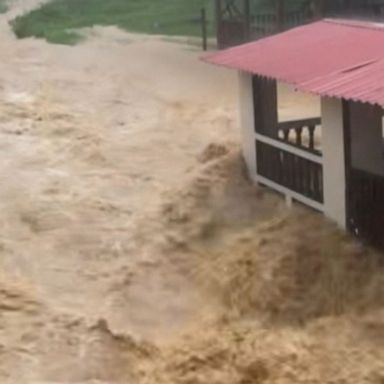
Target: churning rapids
<point>134,250</point>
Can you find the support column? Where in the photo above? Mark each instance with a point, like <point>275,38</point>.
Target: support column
<point>334,160</point>
<point>247,122</point>
<point>265,106</point>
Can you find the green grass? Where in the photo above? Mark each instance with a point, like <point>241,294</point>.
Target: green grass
<point>3,6</point>
<point>58,20</point>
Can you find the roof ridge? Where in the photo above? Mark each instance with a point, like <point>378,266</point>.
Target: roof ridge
<point>329,58</point>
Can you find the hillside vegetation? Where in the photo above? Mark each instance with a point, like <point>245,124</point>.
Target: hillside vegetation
<point>58,20</point>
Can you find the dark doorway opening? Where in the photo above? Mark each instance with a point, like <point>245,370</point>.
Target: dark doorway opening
<point>363,136</point>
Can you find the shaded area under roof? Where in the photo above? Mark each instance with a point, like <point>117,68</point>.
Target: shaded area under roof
<point>335,58</point>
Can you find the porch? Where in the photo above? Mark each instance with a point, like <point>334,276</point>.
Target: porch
<point>333,163</point>
<point>288,146</point>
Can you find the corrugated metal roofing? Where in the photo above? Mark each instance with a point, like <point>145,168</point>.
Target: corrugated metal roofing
<point>336,58</point>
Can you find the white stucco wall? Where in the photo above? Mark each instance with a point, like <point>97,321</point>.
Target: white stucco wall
<point>247,122</point>
<point>333,160</point>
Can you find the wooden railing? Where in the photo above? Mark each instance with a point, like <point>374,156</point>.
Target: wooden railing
<point>231,33</point>
<point>263,25</point>
<point>267,23</point>
<point>373,11</point>
<point>291,168</point>
<point>248,26</point>
<point>301,133</point>
<point>294,19</point>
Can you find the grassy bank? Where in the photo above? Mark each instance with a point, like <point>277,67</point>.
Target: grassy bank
<point>58,20</point>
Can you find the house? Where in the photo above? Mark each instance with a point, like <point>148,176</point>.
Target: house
<point>238,21</point>
<point>333,163</point>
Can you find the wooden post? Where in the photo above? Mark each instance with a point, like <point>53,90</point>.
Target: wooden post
<point>247,20</point>
<point>204,29</point>
<point>347,160</point>
<point>318,9</point>
<point>280,15</point>
<point>218,11</point>
<point>218,21</point>
<point>265,106</point>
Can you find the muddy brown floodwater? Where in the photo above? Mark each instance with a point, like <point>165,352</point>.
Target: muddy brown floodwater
<point>133,249</point>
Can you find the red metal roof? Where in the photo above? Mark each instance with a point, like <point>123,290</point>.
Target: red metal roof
<point>336,58</point>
